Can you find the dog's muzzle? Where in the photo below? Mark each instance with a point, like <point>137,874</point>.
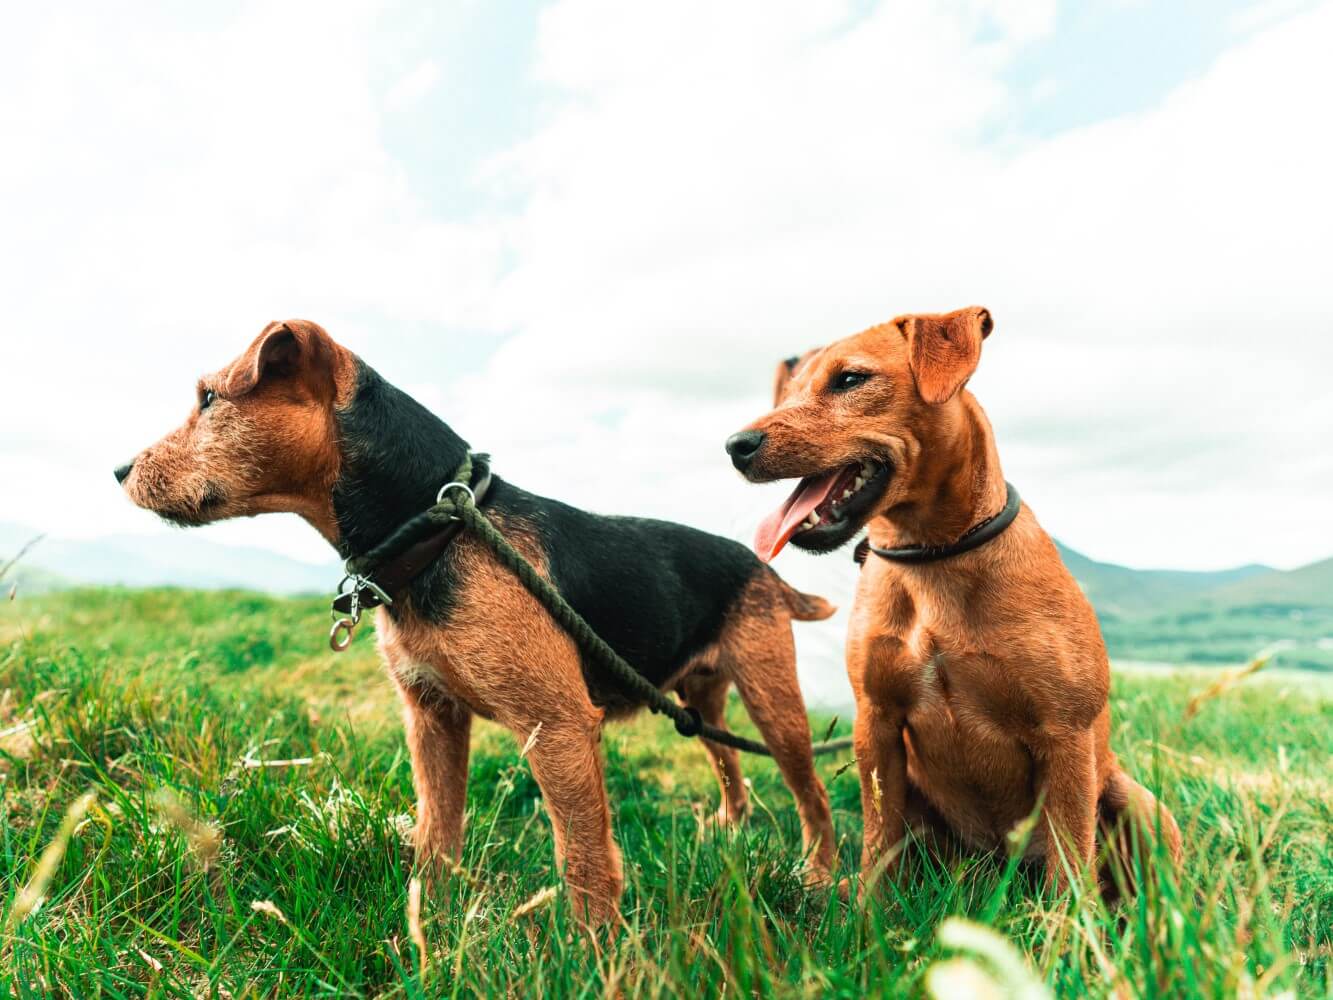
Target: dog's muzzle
<point>743,447</point>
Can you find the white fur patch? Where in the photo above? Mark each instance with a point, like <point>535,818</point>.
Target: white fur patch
<point>411,673</point>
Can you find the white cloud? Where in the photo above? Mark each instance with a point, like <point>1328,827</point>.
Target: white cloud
<point>1263,13</point>
<point>168,188</point>
<point>413,87</point>
<point>700,207</point>
<point>709,187</point>
<point>1019,20</point>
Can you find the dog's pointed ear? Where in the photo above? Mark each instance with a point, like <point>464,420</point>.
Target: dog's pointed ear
<point>786,369</point>
<point>943,350</point>
<point>782,376</point>
<point>282,349</point>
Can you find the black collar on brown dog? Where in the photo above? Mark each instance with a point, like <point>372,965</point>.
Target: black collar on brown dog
<point>976,536</point>
<point>421,542</point>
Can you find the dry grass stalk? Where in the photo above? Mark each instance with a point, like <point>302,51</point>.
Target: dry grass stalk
<point>4,570</point>
<point>1225,683</point>
<point>530,743</point>
<point>414,924</point>
<point>153,963</point>
<point>204,838</point>
<point>269,909</point>
<point>30,897</point>
<point>252,762</point>
<point>535,902</point>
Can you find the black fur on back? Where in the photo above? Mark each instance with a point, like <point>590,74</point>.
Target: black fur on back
<point>656,591</point>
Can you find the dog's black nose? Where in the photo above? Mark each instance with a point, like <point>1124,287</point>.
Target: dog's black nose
<point>743,447</point>
<point>123,473</point>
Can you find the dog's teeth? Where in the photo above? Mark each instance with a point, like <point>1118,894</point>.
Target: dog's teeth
<point>859,483</point>
<point>846,494</point>
<point>814,520</point>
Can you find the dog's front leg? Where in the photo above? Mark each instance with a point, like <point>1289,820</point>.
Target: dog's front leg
<point>1066,766</point>
<point>881,756</point>
<point>438,732</point>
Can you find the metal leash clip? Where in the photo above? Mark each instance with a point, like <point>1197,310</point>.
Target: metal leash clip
<point>344,624</point>
<point>346,608</point>
<point>340,636</point>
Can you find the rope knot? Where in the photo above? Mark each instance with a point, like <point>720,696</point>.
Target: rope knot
<point>689,722</point>
<point>456,495</point>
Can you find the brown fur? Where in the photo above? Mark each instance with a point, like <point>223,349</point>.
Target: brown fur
<point>270,443</point>
<point>503,658</point>
<point>267,445</point>
<point>981,681</point>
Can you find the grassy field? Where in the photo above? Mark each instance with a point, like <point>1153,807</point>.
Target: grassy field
<point>230,799</point>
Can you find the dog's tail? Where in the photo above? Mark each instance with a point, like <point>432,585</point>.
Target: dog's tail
<point>804,607</point>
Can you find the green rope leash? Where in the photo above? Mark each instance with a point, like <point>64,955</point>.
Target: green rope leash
<point>456,502</point>
<point>444,511</point>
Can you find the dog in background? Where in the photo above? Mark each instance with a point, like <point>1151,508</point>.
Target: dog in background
<point>981,680</point>
<point>298,423</point>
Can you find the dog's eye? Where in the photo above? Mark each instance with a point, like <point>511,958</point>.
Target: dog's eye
<point>844,381</point>
<point>206,399</point>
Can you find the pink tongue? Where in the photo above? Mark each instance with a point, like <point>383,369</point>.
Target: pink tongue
<point>783,522</point>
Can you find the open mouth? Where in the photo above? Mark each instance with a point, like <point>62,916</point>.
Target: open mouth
<point>825,510</point>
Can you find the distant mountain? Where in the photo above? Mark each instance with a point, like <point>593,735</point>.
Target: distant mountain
<point>155,560</point>
<point>1309,586</point>
<point>1170,616</point>
<point>1224,618</point>
<point>29,580</point>
<point>1121,592</point>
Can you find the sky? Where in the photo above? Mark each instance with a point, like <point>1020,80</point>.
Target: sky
<point>584,232</point>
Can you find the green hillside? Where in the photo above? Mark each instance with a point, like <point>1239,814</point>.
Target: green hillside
<point>1121,592</point>
<point>1309,586</point>
<point>1225,620</point>
<point>32,580</point>
<point>1171,616</point>
<point>199,871</point>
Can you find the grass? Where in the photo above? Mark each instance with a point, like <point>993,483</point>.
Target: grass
<point>195,869</point>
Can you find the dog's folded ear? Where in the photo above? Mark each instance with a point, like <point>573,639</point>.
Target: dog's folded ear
<point>943,350</point>
<point>291,348</point>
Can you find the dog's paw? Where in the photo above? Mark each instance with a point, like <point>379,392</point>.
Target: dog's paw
<point>845,886</point>
<point>722,818</point>
<point>816,878</point>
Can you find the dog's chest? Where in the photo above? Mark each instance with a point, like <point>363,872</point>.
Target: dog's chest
<point>893,650</point>
<point>911,653</point>
<point>419,656</point>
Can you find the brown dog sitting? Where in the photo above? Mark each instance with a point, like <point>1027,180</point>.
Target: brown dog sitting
<point>298,423</point>
<point>979,671</point>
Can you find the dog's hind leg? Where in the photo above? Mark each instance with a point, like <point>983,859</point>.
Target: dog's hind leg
<point>759,655</point>
<point>1131,822</point>
<point>566,760</point>
<point>707,692</point>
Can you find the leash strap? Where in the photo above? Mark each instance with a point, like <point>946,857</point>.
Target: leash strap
<point>976,536</point>
<point>458,504</point>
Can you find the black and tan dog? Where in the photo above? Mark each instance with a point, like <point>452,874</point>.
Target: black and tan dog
<point>300,424</point>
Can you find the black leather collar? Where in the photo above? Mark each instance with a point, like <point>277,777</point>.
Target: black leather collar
<point>392,577</point>
<point>976,536</point>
